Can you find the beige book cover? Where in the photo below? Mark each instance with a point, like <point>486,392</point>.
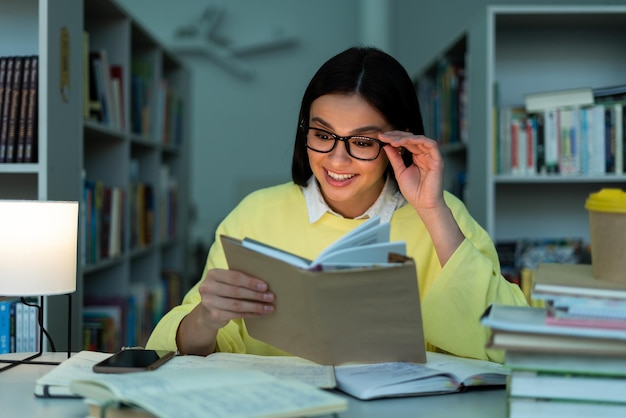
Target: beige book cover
<point>353,315</point>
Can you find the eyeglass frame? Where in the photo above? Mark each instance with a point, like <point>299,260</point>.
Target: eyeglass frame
<point>344,139</point>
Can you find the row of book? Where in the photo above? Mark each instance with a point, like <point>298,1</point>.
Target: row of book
<point>156,108</point>
<point>443,102</point>
<point>18,326</point>
<point>569,132</point>
<point>567,358</point>
<point>105,221</point>
<point>18,108</point>
<point>112,322</point>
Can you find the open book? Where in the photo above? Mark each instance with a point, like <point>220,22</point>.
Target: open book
<point>442,373</point>
<point>365,246</point>
<point>200,393</point>
<point>56,383</point>
<point>357,302</point>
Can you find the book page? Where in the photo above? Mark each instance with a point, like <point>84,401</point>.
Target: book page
<point>467,371</point>
<point>282,367</point>
<point>441,373</point>
<point>370,381</point>
<point>369,232</point>
<point>78,366</point>
<point>276,253</point>
<point>210,392</point>
<point>364,256</point>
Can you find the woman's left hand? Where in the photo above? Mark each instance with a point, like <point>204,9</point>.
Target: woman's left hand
<point>421,183</point>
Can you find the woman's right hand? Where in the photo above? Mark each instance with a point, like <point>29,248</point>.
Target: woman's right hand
<point>226,295</point>
<point>229,294</point>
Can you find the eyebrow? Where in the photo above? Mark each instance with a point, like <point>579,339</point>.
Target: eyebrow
<point>357,131</point>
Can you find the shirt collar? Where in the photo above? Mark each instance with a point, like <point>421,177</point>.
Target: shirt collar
<point>389,200</point>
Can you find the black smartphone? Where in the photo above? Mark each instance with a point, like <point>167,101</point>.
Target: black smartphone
<point>133,360</point>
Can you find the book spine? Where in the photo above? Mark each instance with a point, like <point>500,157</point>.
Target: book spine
<point>30,142</point>
<point>6,108</point>
<point>16,95</point>
<point>3,83</point>
<point>23,111</point>
<point>5,327</point>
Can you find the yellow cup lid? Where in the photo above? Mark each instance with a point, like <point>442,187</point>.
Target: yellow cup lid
<point>607,200</point>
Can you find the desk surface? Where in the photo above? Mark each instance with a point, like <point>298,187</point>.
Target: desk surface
<point>17,400</point>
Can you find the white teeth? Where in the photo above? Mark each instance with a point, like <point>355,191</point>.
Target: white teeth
<point>340,176</point>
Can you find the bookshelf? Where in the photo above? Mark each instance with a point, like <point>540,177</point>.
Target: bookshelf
<point>526,49</point>
<point>74,150</point>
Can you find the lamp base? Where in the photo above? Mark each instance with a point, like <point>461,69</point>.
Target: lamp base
<point>29,360</point>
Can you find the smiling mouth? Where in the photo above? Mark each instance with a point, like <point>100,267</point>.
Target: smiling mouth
<point>337,176</point>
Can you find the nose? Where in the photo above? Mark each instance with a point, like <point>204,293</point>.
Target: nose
<point>340,151</point>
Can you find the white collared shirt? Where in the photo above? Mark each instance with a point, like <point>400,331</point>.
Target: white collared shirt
<point>389,200</point>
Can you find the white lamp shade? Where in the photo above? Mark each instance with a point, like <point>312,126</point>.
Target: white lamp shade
<point>38,247</point>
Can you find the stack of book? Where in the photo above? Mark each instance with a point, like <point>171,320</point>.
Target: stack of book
<point>568,358</point>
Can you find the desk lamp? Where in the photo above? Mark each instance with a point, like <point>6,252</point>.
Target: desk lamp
<point>38,247</point>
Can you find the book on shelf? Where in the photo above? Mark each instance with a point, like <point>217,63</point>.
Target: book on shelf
<point>347,287</point>
<point>549,408</point>
<point>14,110</point>
<point>540,101</point>
<point>22,119</point>
<point>32,118</point>
<point>18,326</point>
<point>612,93</point>
<point>3,86</point>
<point>6,107</point>
<point>5,326</point>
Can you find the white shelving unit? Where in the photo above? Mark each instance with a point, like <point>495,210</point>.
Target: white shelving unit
<point>529,49</point>
<point>69,146</point>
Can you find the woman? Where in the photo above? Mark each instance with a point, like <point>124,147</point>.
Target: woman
<point>359,152</point>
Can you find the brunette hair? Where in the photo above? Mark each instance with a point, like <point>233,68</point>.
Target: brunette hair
<point>372,74</point>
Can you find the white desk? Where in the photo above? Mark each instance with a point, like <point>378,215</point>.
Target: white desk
<point>17,400</point>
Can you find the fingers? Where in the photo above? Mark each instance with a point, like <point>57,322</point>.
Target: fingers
<point>230,294</point>
<point>406,139</point>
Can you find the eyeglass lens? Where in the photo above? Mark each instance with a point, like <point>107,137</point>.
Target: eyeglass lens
<point>359,147</point>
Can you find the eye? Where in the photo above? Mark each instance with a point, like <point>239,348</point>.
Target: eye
<point>323,135</point>
<point>362,142</point>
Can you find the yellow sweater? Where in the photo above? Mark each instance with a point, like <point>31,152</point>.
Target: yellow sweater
<point>453,297</point>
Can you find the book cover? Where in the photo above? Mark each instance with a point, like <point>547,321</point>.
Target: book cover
<point>340,309</point>
<point>574,280</point>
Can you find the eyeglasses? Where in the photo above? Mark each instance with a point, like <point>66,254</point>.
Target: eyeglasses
<point>359,147</point>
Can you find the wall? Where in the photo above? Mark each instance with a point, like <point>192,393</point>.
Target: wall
<point>421,29</point>
<point>242,130</point>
